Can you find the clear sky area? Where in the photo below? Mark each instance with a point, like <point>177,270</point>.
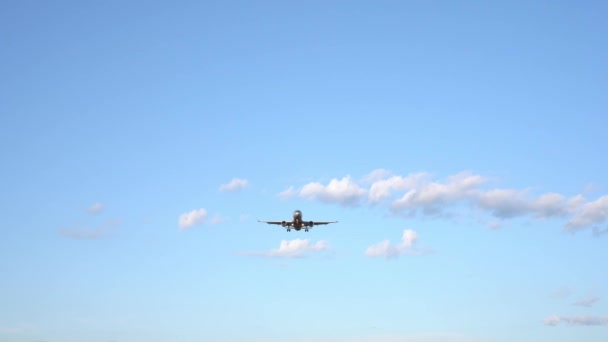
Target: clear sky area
<point>460,145</point>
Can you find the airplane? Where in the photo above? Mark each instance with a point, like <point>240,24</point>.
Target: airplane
<point>297,223</point>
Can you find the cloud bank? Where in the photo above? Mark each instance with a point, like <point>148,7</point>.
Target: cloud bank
<point>344,191</point>
<point>405,337</point>
<point>297,248</point>
<point>422,194</point>
<point>192,218</point>
<point>576,320</point>
<point>235,184</point>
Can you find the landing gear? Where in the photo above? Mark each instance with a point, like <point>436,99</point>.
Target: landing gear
<point>306,230</point>
<point>288,230</point>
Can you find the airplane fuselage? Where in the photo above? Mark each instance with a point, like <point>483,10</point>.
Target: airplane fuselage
<point>297,223</point>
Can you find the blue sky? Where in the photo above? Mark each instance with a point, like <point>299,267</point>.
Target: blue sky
<point>461,146</point>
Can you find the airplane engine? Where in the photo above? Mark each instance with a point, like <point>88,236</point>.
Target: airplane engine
<point>283,224</point>
<point>310,224</point>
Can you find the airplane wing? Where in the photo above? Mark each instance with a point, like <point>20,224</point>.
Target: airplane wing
<point>287,223</point>
<point>314,223</point>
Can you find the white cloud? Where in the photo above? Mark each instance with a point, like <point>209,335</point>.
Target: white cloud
<point>575,203</point>
<point>383,188</point>
<point>432,197</point>
<point>495,225</point>
<point>589,213</point>
<point>588,301</point>
<point>404,247</point>
<point>576,320</point>
<point>288,193</point>
<point>95,208</point>
<point>194,217</point>
<point>552,320</point>
<point>418,193</point>
<point>509,203</point>
<point>504,203</point>
<point>550,205</point>
<point>296,248</point>
<point>344,191</point>
<point>375,176</point>
<point>234,185</point>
